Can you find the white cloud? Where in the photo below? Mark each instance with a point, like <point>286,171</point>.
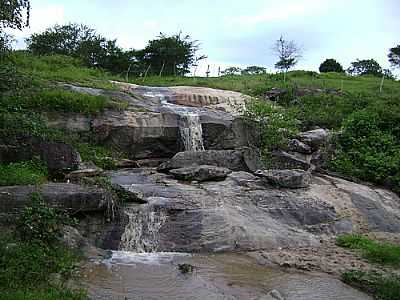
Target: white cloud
<point>283,11</point>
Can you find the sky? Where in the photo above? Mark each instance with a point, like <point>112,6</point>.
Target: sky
<point>238,32</point>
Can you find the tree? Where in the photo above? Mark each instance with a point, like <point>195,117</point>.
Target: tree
<point>288,53</point>
<point>231,71</point>
<point>254,70</point>
<point>80,41</point>
<point>170,55</point>
<point>14,13</point>
<point>394,56</point>
<point>365,67</point>
<point>331,65</point>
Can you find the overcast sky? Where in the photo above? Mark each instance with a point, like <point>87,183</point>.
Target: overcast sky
<point>239,32</point>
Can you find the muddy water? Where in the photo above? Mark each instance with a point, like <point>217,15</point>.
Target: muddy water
<point>127,276</point>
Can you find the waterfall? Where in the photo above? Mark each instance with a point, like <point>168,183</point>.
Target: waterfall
<point>191,132</point>
<point>141,234</point>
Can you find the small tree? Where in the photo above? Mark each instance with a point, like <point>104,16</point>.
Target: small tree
<point>394,56</point>
<point>288,53</point>
<point>331,65</point>
<point>365,67</point>
<point>231,71</point>
<point>254,70</point>
<point>170,55</point>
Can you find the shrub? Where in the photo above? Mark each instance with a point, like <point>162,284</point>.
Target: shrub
<point>23,173</point>
<point>331,65</point>
<point>277,125</point>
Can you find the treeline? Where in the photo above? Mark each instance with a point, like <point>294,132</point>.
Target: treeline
<point>165,55</point>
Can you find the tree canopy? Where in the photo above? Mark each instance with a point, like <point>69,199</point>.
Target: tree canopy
<point>14,13</point>
<point>394,56</point>
<point>331,65</point>
<point>365,67</point>
<point>254,70</point>
<point>288,54</point>
<point>170,55</point>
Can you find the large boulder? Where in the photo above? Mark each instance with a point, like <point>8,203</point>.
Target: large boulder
<point>293,179</point>
<point>63,196</point>
<point>282,160</point>
<point>230,159</point>
<point>314,138</point>
<point>200,173</point>
<point>295,145</point>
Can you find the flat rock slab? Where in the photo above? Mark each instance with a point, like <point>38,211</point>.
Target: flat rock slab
<point>64,196</point>
<point>201,173</point>
<point>230,159</point>
<point>292,179</point>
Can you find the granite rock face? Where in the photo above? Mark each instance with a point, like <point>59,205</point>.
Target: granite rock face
<point>292,179</point>
<point>201,173</point>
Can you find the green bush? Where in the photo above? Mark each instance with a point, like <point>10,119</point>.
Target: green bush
<point>383,287</point>
<point>23,173</point>
<point>277,124</point>
<point>382,253</point>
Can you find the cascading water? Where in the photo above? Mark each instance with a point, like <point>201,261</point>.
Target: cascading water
<point>141,234</point>
<point>191,132</point>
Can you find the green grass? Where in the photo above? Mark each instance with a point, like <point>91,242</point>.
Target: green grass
<point>23,173</point>
<point>381,253</point>
<point>382,287</point>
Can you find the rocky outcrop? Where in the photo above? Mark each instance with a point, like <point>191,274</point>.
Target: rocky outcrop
<point>200,173</point>
<point>292,179</point>
<point>72,198</point>
<point>59,157</point>
<point>230,159</point>
<point>242,213</point>
<point>314,138</point>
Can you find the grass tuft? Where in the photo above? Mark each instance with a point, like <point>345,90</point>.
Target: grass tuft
<point>23,173</point>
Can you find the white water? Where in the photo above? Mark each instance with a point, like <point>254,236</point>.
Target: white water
<point>141,234</point>
<point>191,132</point>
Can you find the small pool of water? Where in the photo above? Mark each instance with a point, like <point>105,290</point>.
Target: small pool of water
<point>128,275</point>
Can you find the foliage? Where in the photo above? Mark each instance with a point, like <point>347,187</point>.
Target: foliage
<point>28,258</point>
<point>365,67</point>
<point>368,147</point>
<point>394,56</point>
<point>382,253</point>
<point>12,14</point>
<point>288,53</point>
<point>100,156</point>
<point>82,42</point>
<point>231,71</point>
<point>383,287</point>
<point>41,224</point>
<point>331,65</point>
<point>23,173</point>
<point>169,55</point>
<point>277,125</point>
<point>254,70</point>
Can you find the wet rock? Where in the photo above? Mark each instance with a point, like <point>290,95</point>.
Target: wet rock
<point>292,179</point>
<point>230,159</point>
<point>151,162</point>
<point>126,163</point>
<point>64,196</point>
<point>314,138</point>
<point>200,173</point>
<point>88,169</point>
<point>59,157</point>
<point>273,295</point>
<point>283,160</point>
<point>297,146</point>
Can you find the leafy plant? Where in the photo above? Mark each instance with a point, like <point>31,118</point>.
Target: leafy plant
<point>23,173</point>
<point>277,124</point>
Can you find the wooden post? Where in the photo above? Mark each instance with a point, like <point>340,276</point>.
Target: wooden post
<point>145,73</point>
<point>208,71</point>
<point>219,71</point>
<point>381,87</point>
<point>162,68</point>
